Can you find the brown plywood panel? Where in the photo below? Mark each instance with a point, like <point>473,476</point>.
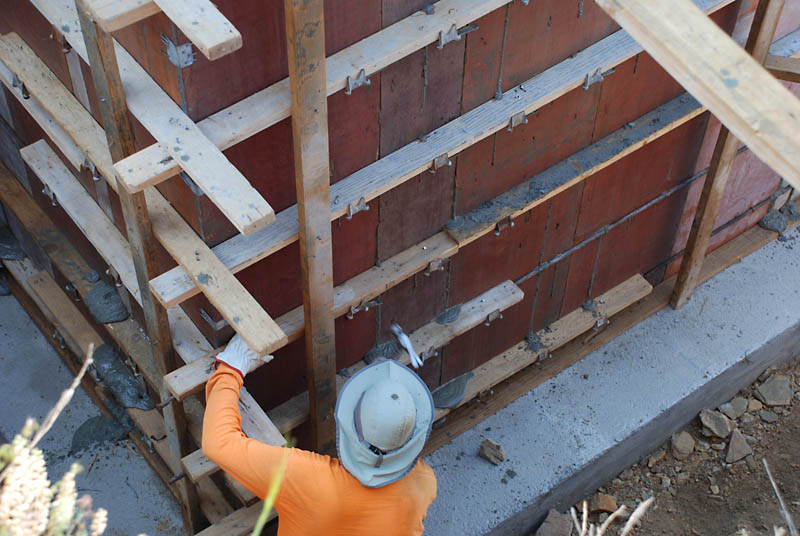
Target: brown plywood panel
<point>579,280</point>
<point>500,162</point>
<point>281,378</point>
<point>275,281</point>
<point>354,337</point>
<point>628,184</point>
<point>413,303</point>
<point>355,243</point>
<point>482,60</point>
<point>550,294</point>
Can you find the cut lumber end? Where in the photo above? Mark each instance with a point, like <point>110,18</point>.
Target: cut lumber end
<point>114,15</point>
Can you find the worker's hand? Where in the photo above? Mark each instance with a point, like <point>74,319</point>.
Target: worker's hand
<point>239,356</point>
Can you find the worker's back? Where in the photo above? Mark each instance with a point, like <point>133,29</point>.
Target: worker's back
<point>318,496</point>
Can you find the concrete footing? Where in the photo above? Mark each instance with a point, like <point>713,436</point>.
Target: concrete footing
<point>576,431</point>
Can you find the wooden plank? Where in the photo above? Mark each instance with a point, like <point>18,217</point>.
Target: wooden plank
<point>787,69</point>
<point>469,415</point>
<point>363,287</point>
<point>113,15</point>
<point>761,33</point>
<point>164,119</point>
<point>306,51</point>
<point>271,105</point>
<point>121,143</point>
<point>370,182</point>
<point>204,25</point>
<point>756,108</point>
<point>545,185</point>
<point>240,523</point>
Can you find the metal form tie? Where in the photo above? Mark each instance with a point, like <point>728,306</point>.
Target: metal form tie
<point>355,208</point>
<point>354,83</point>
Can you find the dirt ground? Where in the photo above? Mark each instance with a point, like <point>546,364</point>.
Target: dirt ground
<point>704,495</point>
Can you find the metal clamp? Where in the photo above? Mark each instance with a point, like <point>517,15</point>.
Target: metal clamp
<point>51,194</point>
<point>597,76</point>
<point>355,208</point>
<point>434,266</point>
<point>516,120</point>
<point>491,317</point>
<point>60,338</point>
<point>427,354</point>
<point>16,82</point>
<point>72,290</point>
<point>440,161</point>
<point>354,83</point>
<point>363,306</point>
<point>110,271</point>
<point>88,165</point>
<point>505,223</point>
<point>448,37</point>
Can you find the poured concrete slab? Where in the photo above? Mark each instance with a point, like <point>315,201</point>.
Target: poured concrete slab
<point>32,377</point>
<point>577,430</point>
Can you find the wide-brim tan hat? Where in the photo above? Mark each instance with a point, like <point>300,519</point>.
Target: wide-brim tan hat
<point>375,469</point>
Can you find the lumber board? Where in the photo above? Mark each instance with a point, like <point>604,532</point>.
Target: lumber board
<point>553,337</point>
<point>271,105</point>
<point>113,15</point>
<point>204,25</point>
<point>762,31</point>
<point>239,523</point>
<point>470,414</point>
<point>367,285</point>
<point>371,181</point>
<point>787,69</point>
<point>753,105</point>
<point>543,186</point>
<point>185,142</point>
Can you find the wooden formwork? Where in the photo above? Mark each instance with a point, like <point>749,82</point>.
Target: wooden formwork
<point>445,160</point>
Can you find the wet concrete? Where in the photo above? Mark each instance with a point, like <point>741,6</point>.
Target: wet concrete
<point>32,377</point>
<point>104,303</point>
<point>118,380</point>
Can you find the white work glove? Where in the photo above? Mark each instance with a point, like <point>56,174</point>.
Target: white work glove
<point>405,342</point>
<point>239,356</point>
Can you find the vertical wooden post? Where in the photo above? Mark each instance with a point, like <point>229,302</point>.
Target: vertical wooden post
<point>121,143</point>
<point>758,42</point>
<point>305,35</point>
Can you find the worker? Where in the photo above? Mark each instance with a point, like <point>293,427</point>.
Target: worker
<point>377,486</point>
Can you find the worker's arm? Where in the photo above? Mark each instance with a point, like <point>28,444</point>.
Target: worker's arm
<point>249,461</point>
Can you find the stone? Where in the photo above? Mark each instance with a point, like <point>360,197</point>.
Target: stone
<point>718,446</point>
<point>735,408</point>
<point>492,452</point>
<point>715,489</point>
<point>682,445</point>
<point>555,524</point>
<point>751,462</point>
<point>767,416</point>
<point>656,457</point>
<point>767,373</point>
<point>738,448</point>
<point>776,391</point>
<point>754,405</point>
<point>717,423</point>
<point>602,502</point>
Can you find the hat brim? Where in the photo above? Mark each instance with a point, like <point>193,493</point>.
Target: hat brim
<point>359,460</point>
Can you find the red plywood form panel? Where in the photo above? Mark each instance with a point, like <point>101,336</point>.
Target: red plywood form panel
<point>579,280</point>
<point>482,60</point>
<point>281,378</point>
<point>413,303</point>
<point>636,179</point>
<point>638,244</point>
<point>355,337</point>
<point>214,85</point>
<point>504,160</point>
<point>482,342</point>
<point>546,32</point>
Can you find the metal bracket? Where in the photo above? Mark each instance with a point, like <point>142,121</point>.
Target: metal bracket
<point>363,306</point>
<point>505,223</point>
<point>491,317</point>
<point>16,82</point>
<point>431,352</point>
<point>440,161</point>
<point>355,208</point>
<point>597,76</point>
<point>434,266</point>
<point>49,193</point>
<point>72,290</point>
<point>179,55</point>
<point>89,166</point>
<point>354,83</point>
<point>516,120</point>
<point>60,338</point>
<point>448,37</point>
<point>110,271</point>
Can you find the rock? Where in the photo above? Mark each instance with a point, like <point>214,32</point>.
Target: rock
<point>718,446</point>
<point>737,447</point>
<point>717,423</point>
<point>751,462</point>
<point>715,489</point>
<point>665,482</point>
<point>767,373</point>
<point>555,524</point>
<point>682,445</point>
<point>754,405</point>
<point>767,416</point>
<point>735,408</point>
<point>492,452</point>
<point>602,502</point>
<point>703,445</point>
<point>776,391</point>
<point>682,478</point>
<point>626,474</point>
<point>656,457</point>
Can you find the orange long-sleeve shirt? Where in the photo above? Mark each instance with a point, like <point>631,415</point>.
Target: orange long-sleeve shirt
<point>317,495</point>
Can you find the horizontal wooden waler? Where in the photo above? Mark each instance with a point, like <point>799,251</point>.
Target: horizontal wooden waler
<point>69,125</point>
<point>157,112</point>
<point>271,105</point>
<point>754,106</point>
<point>370,182</point>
